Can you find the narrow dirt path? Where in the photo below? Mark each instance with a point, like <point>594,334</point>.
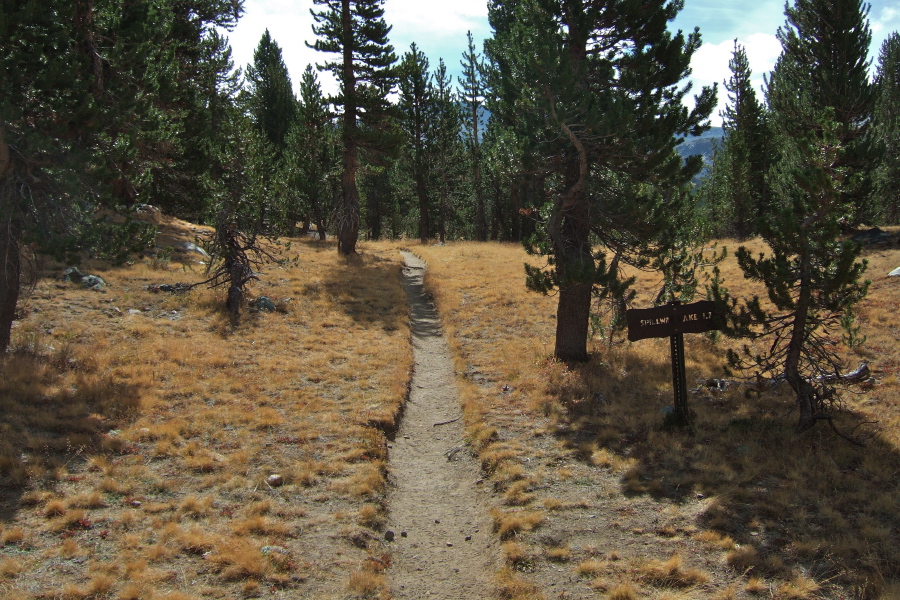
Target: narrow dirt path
<point>442,546</point>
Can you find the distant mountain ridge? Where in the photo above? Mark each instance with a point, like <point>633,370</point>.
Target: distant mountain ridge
<point>702,144</point>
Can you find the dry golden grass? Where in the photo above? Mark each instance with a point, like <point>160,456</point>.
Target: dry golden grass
<point>745,487</point>
<point>670,573</point>
<point>140,431</point>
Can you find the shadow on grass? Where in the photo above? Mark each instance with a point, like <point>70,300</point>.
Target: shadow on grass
<point>366,289</point>
<point>54,415</point>
<point>779,503</point>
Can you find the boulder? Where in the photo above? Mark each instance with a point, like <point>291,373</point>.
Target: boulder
<point>93,282</point>
<point>895,273</point>
<point>190,247</point>
<point>148,214</point>
<point>90,282</point>
<point>873,236</point>
<point>170,288</point>
<point>73,274</point>
<point>263,303</point>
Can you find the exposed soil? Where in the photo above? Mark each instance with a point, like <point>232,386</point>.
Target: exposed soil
<point>442,543</point>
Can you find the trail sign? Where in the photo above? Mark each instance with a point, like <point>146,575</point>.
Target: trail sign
<point>673,320</point>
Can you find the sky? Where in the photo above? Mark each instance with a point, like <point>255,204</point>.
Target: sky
<point>439,29</point>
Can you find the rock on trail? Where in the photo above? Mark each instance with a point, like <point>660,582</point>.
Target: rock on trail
<point>439,526</point>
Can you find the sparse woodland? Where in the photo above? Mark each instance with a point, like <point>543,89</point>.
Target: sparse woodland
<point>178,442</point>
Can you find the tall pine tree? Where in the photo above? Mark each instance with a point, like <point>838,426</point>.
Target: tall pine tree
<point>824,66</point>
<point>270,99</point>
<point>820,101</point>
<point>745,150</point>
<point>607,81</point>
<point>76,84</point>
<point>311,155</point>
<point>474,88</point>
<point>357,32</point>
<point>416,109</point>
<point>447,148</point>
<point>887,131</point>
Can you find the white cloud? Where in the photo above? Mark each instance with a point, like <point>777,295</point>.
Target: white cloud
<point>885,20</point>
<point>710,64</point>
<point>290,24</point>
<point>438,28</point>
<point>443,19</point>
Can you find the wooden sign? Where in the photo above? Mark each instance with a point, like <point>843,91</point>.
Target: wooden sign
<point>670,319</point>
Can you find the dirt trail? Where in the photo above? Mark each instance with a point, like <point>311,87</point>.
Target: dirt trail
<point>442,546</point>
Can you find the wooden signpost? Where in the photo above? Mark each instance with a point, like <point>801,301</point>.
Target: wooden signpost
<point>673,320</point>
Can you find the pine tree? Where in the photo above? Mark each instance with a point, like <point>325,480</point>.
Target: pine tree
<point>357,32</point>
<point>606,80</point>
<point>416,109</point>
<point>195,101</point>
<point>745,149</point>
<point>818,95</point>
<point>474,89</point>
<point>76,80</point>
<point>447,148</point>
<point>196,104</point>
<point>311,155</point>
<point>887,131</point>
<point>824,66</point>
<point>270,101</point>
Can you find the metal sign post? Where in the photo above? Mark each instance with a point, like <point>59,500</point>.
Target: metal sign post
<point>673,320</point>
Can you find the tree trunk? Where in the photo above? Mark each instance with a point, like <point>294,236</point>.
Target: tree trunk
<point>804,390</point>
<point>373,212</point>
<point>570,229</point>
<point>10,245</point>
<point>421,192</point>
<point>348,212</point>
<point>480,217</point>
<point>10,257</point>
<point>572,317</point>
<point>442,225</point>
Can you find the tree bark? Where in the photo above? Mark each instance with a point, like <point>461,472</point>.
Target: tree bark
<point>442,225</point>
<point>572,317</point>
<point>348,213</point>
<point>422,193</point>
<point>802,388</point>
<point>570,229</point>
<point>10,245</point>
<point>10,257</point>
<point>480,218</point>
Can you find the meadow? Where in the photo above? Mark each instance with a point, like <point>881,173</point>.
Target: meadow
<point>595,497</point>
<point>153,449</point>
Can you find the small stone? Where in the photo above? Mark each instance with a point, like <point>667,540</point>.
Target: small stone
<point>275,480</point>
<point>438,521</point>
<point>468,538</point>
<point>449,544</point>
<point>403,534</point>
<point>895,273</point>
<point>389,535</point>
<point>136,503</point>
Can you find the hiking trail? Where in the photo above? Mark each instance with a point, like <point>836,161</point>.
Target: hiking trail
<point>442,544</point>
